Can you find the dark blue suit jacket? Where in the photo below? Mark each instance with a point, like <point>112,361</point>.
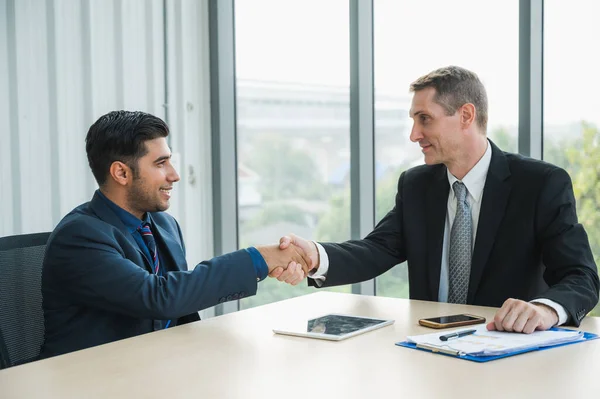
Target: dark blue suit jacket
<point>97,286</point>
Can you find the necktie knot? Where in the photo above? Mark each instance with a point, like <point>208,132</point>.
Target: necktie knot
<point>147,236</point>
<point>145,228</point>
<point>460,190</point>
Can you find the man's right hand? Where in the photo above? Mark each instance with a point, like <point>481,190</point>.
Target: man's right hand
<point>289,264</point>
<point>278,258</point>
<point>308,247</point>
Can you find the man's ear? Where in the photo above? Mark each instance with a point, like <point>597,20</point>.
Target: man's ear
<point>467,115</point>
<point>120,173</point>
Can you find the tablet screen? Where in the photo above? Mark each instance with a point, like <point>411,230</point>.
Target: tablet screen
<point>339,324</point>
<point>332,326</point>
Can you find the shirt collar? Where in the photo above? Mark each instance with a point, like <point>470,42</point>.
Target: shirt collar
<point>130,221</point>
<point>475,179</point>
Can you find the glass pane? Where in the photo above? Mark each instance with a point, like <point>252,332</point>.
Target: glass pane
<point>293,126</point>
<point>411,40</point>
<point>571,118</point>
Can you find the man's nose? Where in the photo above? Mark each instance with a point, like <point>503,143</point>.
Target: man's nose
<point>173,176</point>
<point>415,134</point>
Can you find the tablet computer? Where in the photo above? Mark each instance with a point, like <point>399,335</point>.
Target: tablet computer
<point>334,327</point>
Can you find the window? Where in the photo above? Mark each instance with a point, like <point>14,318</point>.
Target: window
<point>293,125</point>
<point>571,119</point>
<point>416,37</point>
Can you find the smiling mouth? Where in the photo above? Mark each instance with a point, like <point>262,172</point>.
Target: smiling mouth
<point>166,191</point>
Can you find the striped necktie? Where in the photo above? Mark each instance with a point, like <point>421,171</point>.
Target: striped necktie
<point>151,244</point>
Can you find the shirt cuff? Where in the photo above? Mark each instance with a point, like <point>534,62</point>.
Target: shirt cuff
<point>560,310</point>
<point>260,266</point>
<point>320,274</point>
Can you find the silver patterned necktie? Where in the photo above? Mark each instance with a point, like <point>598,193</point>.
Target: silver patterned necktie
<point>461,239</point>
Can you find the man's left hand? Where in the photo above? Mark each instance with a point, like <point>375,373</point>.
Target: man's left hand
<point>520,316</point>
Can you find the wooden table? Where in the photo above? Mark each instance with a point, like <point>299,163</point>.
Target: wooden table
<point>238,356</point>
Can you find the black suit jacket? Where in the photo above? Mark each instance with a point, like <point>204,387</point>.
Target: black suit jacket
<point>528,243</point>
<point>98,287</point>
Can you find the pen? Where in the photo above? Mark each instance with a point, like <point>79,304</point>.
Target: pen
<point>456,334</point>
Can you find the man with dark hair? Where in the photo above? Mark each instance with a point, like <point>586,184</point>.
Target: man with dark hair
<point>115,267</point>
<point>476,225</point>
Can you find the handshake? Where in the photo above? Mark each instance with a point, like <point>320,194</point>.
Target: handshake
<point>291,260</point>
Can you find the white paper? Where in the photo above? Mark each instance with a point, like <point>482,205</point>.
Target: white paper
<point>491,343</point>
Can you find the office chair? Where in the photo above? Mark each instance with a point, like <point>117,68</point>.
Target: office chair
<point>21,315</point>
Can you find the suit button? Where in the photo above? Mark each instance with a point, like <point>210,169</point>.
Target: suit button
<point>229,297</point>
<point>242,294</point>
<point>222,299</point>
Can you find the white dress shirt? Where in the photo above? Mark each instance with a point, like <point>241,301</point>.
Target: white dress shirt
<point>474,181</point>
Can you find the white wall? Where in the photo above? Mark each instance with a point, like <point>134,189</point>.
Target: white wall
<point>64,63</point>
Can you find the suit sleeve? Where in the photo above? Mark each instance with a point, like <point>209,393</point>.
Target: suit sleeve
<point>89,267</point>
<point>359,260</point>
<point>570,268</point>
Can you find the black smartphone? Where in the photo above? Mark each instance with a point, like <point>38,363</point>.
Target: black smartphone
<point>456,320</point>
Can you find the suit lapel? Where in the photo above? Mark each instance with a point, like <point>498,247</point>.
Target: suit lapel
<point>173,246</point>
<point>436,207</point>
<point>493,205</point>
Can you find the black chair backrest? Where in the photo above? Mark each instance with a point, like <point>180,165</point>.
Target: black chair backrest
<point>21,314</point>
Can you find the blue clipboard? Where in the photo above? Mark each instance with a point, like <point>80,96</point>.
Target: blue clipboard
<point>482,359</point>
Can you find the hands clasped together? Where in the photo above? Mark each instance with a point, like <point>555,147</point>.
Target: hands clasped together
<point>291,260</point>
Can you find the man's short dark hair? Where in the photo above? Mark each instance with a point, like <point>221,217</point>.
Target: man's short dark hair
<point>454,87</point>
<point>121,136</point>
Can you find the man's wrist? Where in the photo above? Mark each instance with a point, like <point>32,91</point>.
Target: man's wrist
<point>550,310</point>
<point>260,264</point>
<point>320,272</point>
<point>265,252</point>
<point>316,267</point>
<point>563,316</point>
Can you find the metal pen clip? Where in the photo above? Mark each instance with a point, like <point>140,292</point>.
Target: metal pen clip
<point>447,350</point>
